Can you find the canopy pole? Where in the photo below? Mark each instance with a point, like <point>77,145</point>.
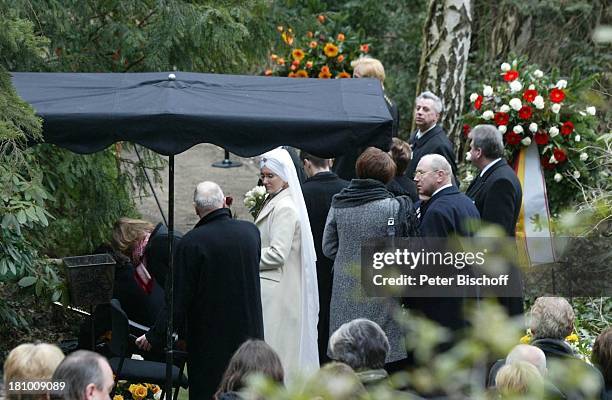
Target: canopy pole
<point>170,280</point>
<point>146,174</point>
<point>226,163</point>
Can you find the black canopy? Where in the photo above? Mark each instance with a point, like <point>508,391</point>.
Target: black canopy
<point>248,115</point>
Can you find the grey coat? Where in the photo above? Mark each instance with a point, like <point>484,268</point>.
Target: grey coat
<point>345,230</point>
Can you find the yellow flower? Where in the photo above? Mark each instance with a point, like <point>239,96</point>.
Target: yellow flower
<point>155,388</point>
<point>287,38</point>
<point>572,338</point>
<point>526,339</point>
<point>330,50</point>
<point>298,55</point>
<point>343,74</point>
<point>117,397</point>
<point>139,393</point>
<point>301,74</point>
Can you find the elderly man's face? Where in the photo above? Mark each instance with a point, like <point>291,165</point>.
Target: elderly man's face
<point>425,114</point>
<point>427,180</point>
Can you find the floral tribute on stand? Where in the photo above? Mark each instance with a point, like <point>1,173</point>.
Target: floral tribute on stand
<point>323,53</point>
<point>527,106</point>
<point>141,391</point>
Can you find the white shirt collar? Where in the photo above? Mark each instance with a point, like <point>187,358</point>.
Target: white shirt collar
<point>441,188</point>
<point>488,166</point>
<point>421,134</point>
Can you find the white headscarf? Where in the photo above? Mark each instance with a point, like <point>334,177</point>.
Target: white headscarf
<point>279,161</point>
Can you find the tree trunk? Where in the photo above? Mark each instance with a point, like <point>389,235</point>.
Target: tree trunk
<point>446,45</point>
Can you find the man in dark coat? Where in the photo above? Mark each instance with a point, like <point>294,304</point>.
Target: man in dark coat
<point>318,191</point>
<point>216,290</point>
<point>496,192</point>
<point>429,138</point>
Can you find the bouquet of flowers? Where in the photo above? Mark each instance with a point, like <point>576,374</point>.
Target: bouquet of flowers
<point>141,391</point>
<point>320,53</point>
<point>254,200</point>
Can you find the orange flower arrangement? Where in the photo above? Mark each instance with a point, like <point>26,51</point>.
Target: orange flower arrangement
<point>325,73</point>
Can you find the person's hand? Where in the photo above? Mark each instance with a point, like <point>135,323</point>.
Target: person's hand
<point>143,344</point>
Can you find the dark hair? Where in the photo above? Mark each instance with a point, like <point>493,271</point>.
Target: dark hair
<point>602,354</point>
<point>489,139</point>
<point>252,357</point>
<point>316,161</point>
<point>374,163</point>
<point>78,370</point>
<point>401,154</point>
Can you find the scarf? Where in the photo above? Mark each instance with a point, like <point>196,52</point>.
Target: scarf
<point>360,192</point>
<point>141,274</point>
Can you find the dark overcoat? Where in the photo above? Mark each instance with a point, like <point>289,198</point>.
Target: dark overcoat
<point>433,142</point>
<point>216,295</point>
<point>318,191</point>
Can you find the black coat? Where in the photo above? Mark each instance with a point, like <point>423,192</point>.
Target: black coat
<point>216,295</point>
<point>498,196</point>
<point>403,186</point>
<point>447,212</point>
<point>156,253</point>
<point>318,191</point>
<point>433,142</point>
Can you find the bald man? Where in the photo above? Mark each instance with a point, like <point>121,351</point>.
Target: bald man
<point>216,291</point>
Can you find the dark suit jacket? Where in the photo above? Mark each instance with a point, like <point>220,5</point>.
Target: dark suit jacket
<point>217,293</point>
<point>403,186</point>
<point>447,212</point>
<point>318,191</point>
<point>433,142</point>
<point>497,196</point>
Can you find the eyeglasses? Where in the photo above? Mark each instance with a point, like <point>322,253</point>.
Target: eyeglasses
<point>421,173</point>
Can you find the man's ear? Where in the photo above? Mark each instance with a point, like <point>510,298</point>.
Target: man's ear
<point>90,391</point>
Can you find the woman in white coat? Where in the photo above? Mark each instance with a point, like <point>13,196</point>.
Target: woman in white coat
<point>289,294</point>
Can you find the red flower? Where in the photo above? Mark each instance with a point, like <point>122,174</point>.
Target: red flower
<point>229,200</point>
<point>501,118</point>
<point>478,102</point>
<point>466,130</point>
<point>567,128</point>
<point>530,95</point>
<point>511,75</point>
<point>525,112</point>
<point>541,138</point>
<point>560,155</point>
<point>364,48</point>
<point>513,138</point>
<point>557,95</point>
<point>546,164</point>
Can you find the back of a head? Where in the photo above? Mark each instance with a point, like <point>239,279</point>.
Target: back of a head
<point>369,67</point>
<point>401,154</point>
<point>602,355</point>
<point>339,381</point>
<point>518,379</point>
<point>374,163</point>
<point>489,139</point>
<point>78,370</point>
<point>208,196</point>
<point>361,344</point>
<point>31,362</point>
<point>318,162</point>
<point>552,318</point>
<point>128,231</point>
<point>252,357</point>
<point>530,354</point>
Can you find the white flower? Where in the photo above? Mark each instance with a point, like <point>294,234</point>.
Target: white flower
<point>487,91</point>
<point>487,115</point>
<point>517,129</point>
<point>555,108</point>
<point>468,156</point>
<point>526,141</point>
<point>473,97</point>
<point>538,74</point>
<point>468,177</point>
<point>553,131</point>
<point>539,102</point>
<point>260,191</point>
<point>576,174</point>
<point>516,104</point>
<point>505,67</point>
<point>505,108</point>
<point>584,156</point>
<point>577,138</point>
<point>558,177</point>
<point>514,63</point>
<point>502,129</point>
<point>533,127</point>
<point>562,84</point>
<point>516,86</point>
<point>531,87</point>
<point>591,110</point>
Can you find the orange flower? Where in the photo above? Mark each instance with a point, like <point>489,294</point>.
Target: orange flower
<point>273,57</point>
<point>364,48</point>
<point>309,64</point>
<point>321,18</point>
<point>287,38</point>
<point>341,37</point>
<point>313,44</point>
<point>280,61</point>
<point>292,75</point>
<point>293,67</point>
<point>325,69</point>
<point>268,72</point>
<point>340,58</point>
<point>324,75</point>
<point>330,50</point>
<point>309,34</point>
<point>298,55</point>
<point>301,74</point>
<point>343,74</point>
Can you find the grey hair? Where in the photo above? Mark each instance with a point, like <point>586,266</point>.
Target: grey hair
<point>427,95</point>
<point>530,354</point>
<point>489,139</point>
<point>360,343</point>
<point>208,196</point>
<point>551,317</point>
<point>78,370</point>
<point>438,163</point>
